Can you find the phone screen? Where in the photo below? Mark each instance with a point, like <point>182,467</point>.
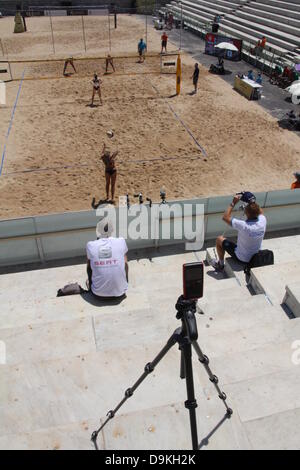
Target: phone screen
<point>193,274</point>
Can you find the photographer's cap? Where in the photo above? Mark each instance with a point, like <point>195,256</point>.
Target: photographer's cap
<point>248,197</point>
<point>297,174</point>
<point>104,229</point>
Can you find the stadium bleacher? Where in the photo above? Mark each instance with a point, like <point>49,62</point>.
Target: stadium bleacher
<point>70,360</point>
<point>279,21</point>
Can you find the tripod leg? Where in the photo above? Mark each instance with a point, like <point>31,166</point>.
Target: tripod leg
<point>182,366</point>
<point>191,403</point>
<point>149,367</point>
<point>213,378</point>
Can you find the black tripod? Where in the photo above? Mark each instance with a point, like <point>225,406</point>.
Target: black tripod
<point>186,337</point>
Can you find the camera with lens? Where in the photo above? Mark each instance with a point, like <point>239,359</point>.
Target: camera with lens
<point>163,196</point>
<point>247,197</point>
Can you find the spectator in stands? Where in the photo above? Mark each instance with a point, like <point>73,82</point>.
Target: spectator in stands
<point>107,265</point>
<point>141,50</point>
<point>263,42</point>
<point>260,46</point>
<point>296,184</point>
<point>164,40</point>
<point>250,234</point>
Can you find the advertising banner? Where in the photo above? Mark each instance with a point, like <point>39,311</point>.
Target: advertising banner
<point>211,40</point>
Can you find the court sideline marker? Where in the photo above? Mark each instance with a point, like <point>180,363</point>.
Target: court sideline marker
<point>10,123</point>
<point>181,121</point>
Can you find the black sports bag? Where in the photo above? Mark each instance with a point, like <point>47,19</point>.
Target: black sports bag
<point>262,258</point>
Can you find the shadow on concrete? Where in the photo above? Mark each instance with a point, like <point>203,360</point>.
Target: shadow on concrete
<point>205,440</point>
<point>101,302</point>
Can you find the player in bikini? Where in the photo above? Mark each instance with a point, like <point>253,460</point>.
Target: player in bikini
<point>110,171</point>
<point>96,88</point>
<point>109,61</point>
<point>69,61</point>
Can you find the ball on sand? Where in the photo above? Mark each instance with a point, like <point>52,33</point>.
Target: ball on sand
<point>110,133</point>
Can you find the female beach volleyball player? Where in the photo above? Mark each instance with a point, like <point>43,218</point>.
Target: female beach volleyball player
<point>70,61</point>
<point>110,171</point>
<point>96,88</point>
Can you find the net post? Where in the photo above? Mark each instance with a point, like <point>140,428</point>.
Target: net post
<point>52,31</point>
<point>11,75</point>
<point>83,33</point>
<point>2,49</point>
<point>109,38</point>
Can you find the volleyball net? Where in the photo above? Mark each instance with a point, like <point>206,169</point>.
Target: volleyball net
<point>54,68</point>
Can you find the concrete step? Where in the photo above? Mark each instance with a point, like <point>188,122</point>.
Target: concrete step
<point>256,30</point>
<point>250,36</point>
<point>278,16</point>
<point>233,269</point>
<point>63,391</point>
<point>290,5</point>
<point>267,359</point>
<point>268,31</point>
<point>279,431</point>
<point>274,23</point>
<point>277,8</point>
<point>285,249</point>
<point>37,342</point>
<point>217,6</point>
<point>272,280</point>
<point>228,315</point>
<point>264,396</point>
<point>292,298</point>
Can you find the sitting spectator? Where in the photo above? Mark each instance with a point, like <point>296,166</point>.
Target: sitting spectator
<point>107,266</point>
<point>296,184</point>
<point>259,79</point>
<point>250,75</point>
<point>250,234</point>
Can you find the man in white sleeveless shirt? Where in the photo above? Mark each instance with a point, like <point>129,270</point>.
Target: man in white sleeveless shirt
<point>107,264</point>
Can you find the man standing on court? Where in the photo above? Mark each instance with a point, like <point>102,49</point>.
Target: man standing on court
<point>195,77</point>
<point>164,40</point>
<point>141,50</point>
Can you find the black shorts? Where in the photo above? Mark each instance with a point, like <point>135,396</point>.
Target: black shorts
<point>230,247</point>
<point>164,44</point>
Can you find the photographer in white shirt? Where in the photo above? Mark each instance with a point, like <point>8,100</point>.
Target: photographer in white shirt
<point>107,264</point>
<point>250,232</point>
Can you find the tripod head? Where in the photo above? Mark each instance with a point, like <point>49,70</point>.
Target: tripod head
<point>186,310</point>
<point>140,196</point>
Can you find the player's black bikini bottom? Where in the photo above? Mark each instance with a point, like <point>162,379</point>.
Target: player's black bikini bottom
<point>111,171</point>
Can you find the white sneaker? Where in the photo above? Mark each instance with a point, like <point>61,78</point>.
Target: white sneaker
<point>216,265</point>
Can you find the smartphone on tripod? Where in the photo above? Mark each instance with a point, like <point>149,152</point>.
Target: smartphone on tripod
<point>193,276</point>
